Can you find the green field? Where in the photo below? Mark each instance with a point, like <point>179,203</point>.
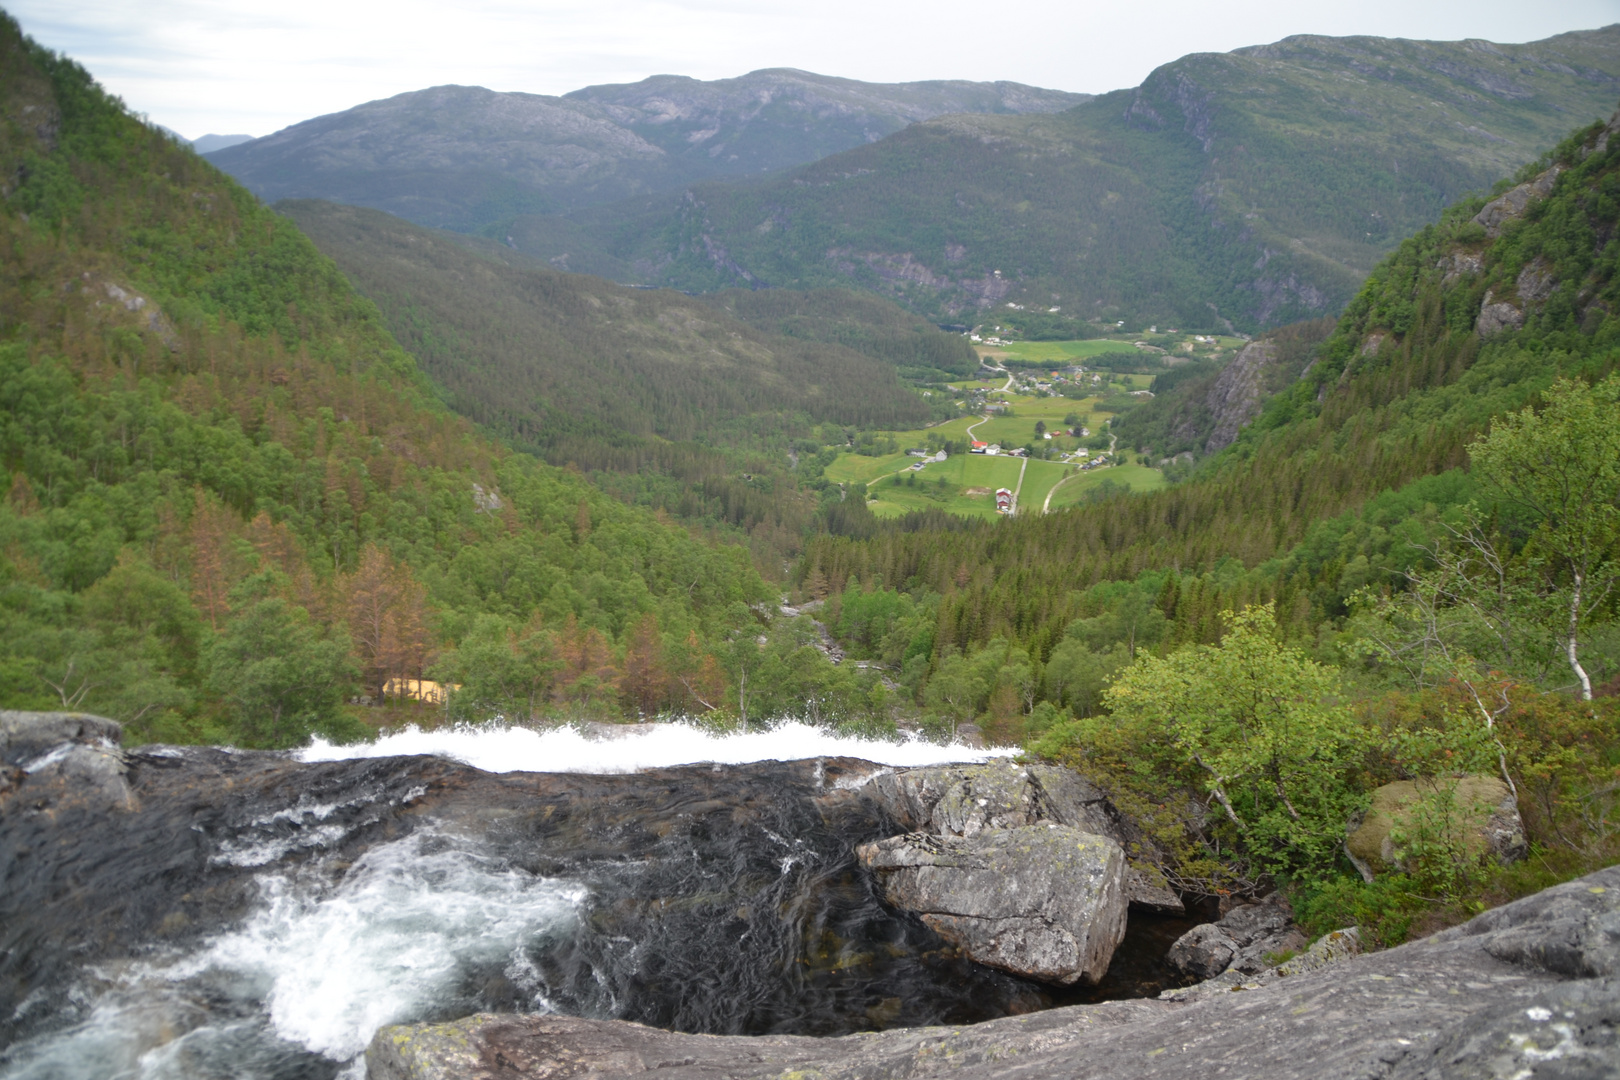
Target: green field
<point>1041,477</point>
<point>964,472</point>
<point>1060,353</point>
<point>886,476</point>
<point>1136,477</point>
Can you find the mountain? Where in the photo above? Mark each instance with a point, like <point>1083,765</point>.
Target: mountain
<point>207,144</point>
<point>233,502</point>
<point>1249,189</point>
<point>582,370</point>
<point>464,157</point>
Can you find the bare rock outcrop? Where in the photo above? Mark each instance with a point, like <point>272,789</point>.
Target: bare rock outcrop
<point>74,756</point>
<point>1511,204</point>
<point>1531,989</point>
<point>963,800</point>
<point>1496,316</point>
<point>1235,398</point>
<point>1043,901</point>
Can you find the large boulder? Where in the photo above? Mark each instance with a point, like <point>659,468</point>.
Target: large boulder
<point>26,735</point>
<point>963,800</point>
<point>64,756</point>
<point>1483,808</point>
<point>1531,989</point>
<point>1246,940</point>
<point>1044,901</point>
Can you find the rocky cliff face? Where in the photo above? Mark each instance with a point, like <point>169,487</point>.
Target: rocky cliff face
<point>1235,397</point>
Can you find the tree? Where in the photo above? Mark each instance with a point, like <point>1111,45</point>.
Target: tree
<point>954,693</point>
<point>387,617</point>
<point>282,679</point>
<point>502,670</point>
<point>1262,725</point>
<point>645,685</point>
<point>1563,466</point>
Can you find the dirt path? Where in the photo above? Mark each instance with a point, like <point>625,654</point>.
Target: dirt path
<point>1020,487</point>
<point>1046,507</point>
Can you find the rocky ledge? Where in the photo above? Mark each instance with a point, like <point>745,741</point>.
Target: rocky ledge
<point>1531,989</point>
<point>1043,902</point>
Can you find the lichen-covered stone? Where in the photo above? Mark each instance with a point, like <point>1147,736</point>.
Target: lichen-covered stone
<point>1044,901</point>
<point>1511,205</point>
<point>1496,316</point>
<point>962,800</point>
<point>1487,815</point>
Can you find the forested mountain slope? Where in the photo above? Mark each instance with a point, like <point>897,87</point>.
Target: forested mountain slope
<point>572,366</point>
<point>465,157</point>
<point>232,501</point>
<point>1472,317</point>
<point>1254,188</point>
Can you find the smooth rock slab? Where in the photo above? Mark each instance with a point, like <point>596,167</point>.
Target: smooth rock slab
<point>1043,901</point>
<point>1529,989</point>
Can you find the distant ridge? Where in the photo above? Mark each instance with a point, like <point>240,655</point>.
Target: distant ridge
<point>1246,189</point>
<point>464,156</point>
<point>209,143</point>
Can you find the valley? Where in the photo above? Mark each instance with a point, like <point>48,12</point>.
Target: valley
<point>938,564</point>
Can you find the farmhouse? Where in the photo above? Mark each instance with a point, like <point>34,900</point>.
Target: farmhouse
<point>424,690</point>
<point>1004,501</point>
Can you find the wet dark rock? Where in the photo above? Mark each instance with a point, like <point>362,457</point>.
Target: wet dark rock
<point>1240,941</point>
<point>1043,901</point>
<point>1529,990</point>
<point>26,735</point>
<point>738,886</point>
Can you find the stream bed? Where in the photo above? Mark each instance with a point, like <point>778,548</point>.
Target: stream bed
<point>256,915</point>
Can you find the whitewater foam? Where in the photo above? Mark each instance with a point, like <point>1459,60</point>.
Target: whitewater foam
<point>391,943</point>
<point>409,933</point>
<point>501,748</point>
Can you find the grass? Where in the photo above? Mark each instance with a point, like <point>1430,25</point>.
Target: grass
<point>1136,477</point>
<point>1059,353</point>
<point>1041,477</point>
<point>961,473</point>
<point>858,469</point>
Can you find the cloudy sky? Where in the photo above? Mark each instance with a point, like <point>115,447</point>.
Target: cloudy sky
<point>254,66</point>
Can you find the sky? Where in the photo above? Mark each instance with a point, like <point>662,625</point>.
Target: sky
<point>254,66</point>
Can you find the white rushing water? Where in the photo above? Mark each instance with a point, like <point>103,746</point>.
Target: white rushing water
<point>412,930</point>
<point>629,748</point>
<point>319,968</point>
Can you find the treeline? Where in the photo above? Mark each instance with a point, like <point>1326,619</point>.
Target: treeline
<point>670,402</point>
<point>233,503</point>
<point>857,321</point>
